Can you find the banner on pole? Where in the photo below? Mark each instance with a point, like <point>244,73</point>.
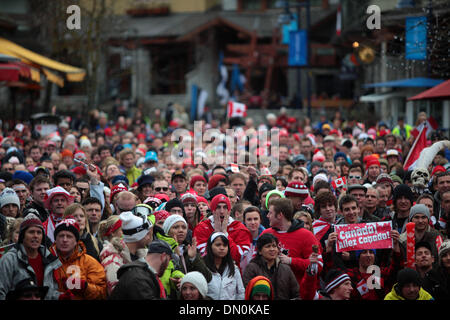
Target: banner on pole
<point>298,48</point>
<point>362,236</point>
<point>416,38</point>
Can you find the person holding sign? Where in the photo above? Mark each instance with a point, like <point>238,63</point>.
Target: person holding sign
<point>420,215</point>
<point>372,285</point>
<point>326,206</point>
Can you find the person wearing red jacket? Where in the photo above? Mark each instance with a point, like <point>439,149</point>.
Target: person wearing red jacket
<point>220,221</point>
<point>296,242</point>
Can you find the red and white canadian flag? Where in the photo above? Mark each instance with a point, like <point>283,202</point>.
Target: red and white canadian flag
<point>340,182</point>
<point>430,124</point>
<point>419,144</point>
<point>234,167</point>
<point>236,109</point>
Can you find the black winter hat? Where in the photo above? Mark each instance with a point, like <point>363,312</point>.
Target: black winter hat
<point>407,276</point>
<point>215,191</point>
<point>265,187</point>
<point>403,190</point>
<point>175,202</point>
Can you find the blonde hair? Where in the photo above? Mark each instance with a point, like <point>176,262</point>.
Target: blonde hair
<point>70,210</point>
<point>109,161</point>
<point>300,214</point>
<point>105,225</point>
<point>10,230</point>
<point>125,152</point>
<point>194,172</point>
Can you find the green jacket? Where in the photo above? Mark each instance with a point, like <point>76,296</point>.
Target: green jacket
<point>408,129</point>
<point>133,174</point>
<point>179,266</point>
<point>394,295</point>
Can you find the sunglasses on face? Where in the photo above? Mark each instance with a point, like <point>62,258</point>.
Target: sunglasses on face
<point>161,188</point>
<point>354,177</point>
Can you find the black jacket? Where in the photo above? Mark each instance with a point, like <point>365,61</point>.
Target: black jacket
<point>437,284</point>
<point>136,282</point>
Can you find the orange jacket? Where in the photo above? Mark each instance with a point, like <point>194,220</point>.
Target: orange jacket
<point>90,270</point>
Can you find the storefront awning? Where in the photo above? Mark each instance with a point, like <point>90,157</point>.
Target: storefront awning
<point>10,48</point>
<point>406,83</point>
<point>377,97</point>
<point>440,91</point>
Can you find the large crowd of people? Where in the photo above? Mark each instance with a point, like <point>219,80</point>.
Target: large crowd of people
<point>115,209</point>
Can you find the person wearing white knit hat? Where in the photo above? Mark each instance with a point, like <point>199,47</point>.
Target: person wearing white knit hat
<point>194,286</point>
<point>137,233</point>
<point>9,203</point>
<point>320,176</point>
<point>171,220</point>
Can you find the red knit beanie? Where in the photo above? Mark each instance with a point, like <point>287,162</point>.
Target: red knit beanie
<point>220,198</point>
<point>214,180</point>
<point>373,162</point>
<point>202,199</point>
<point>196,178</point>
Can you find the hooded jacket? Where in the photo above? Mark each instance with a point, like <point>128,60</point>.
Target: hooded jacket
<point>283,281</point>
<point>14,267</point>
<point>136,282</point>
<point>395,294</point>
<point>298,242</point>
<point>90,270</point>
<point>238,235</point>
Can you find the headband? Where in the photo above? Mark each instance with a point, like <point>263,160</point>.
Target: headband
<point>113,228</point>
<point>216,234</point>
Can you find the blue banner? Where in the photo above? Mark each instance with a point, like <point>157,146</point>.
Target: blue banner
<point>298,48</point>
<point>194,101</point>
<point>416,38</point>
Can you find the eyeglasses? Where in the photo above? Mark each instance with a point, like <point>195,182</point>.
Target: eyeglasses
<point>354,177</point>
<point>161,188</point>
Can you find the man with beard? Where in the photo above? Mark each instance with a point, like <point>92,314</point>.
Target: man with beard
<point>140,280</point>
